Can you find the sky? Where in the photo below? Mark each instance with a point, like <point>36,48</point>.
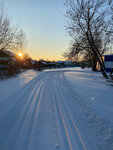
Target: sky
<point>44,24</point>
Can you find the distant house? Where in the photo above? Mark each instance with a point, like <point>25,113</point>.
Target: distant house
<point>7,59</point>
<point>66,63</point>
<point>108,61</point>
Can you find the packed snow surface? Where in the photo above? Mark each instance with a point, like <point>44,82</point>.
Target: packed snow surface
<point>58,109</point>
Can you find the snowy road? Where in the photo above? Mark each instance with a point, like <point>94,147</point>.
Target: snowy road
<point>48,114</point>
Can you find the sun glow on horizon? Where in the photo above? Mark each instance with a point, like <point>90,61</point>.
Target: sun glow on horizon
<point>20,54</point>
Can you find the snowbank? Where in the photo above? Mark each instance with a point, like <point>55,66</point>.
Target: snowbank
<point>11,85</point>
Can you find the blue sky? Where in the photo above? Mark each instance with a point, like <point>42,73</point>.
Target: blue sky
<point>44,24</point>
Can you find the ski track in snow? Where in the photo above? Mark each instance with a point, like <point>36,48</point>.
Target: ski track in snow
<point>47,114</point>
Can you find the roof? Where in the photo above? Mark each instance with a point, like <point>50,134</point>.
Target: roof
<point>5,53</point>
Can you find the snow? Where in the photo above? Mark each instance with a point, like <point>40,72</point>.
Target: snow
<point>11,85</point>
<point>58,109</point>
<point>95,91</point>
<point>96,99</point>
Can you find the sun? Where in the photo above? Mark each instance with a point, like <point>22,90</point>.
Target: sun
<point>20,54</point>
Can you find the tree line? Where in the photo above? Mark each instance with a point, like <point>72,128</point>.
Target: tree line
<point>90,25</point>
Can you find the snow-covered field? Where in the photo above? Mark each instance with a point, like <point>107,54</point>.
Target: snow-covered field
<point>59,109</point>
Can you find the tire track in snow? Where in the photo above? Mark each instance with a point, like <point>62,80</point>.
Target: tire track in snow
<point>33,137</point>
<point>60,118</point>
<point>14,98</point>
<point>69,125</point>
<point>19,125</point>
<point>58,131</point>
<point>31,115</point>
<point>46,124</point>
<point>72,121</point>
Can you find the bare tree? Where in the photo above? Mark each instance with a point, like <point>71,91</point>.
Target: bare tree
<point>81,53</point>
<point>20,40</point>
<point>89,28</point>
<point>110,2</point>
<point>7,32</point>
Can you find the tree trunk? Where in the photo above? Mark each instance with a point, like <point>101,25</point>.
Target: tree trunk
<point>93,62</point>
<point>102,69</point>
<point>99,59</point>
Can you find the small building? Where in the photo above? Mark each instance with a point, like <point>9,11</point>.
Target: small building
<point>66,63</point>
<point>7,59</point>
<point>7,62</point>
<point>108,61</point>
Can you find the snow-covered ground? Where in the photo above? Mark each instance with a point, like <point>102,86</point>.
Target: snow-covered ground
<point>11,85</point>
<point>59,109</point>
